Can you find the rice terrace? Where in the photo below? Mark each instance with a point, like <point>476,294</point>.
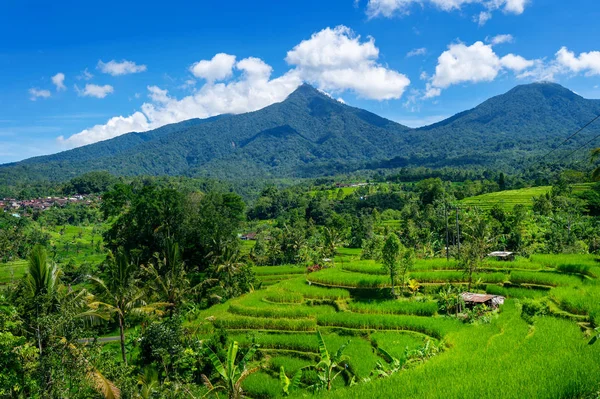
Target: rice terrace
<point>263,200</point>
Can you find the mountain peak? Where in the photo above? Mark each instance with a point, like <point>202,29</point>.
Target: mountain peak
<point>306,91</point>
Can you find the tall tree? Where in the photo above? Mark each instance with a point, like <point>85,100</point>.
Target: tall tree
<point>390,256</point>
<point>121,294</point>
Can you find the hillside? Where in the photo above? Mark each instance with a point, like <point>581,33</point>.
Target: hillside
<point>311,134</point>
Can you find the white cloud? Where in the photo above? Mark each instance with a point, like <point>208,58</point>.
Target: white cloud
<point>59,81</point>
<point>85,75</point>
<point>417,51</point>
<point>499,39</point>
<point>391,8</point>
<point>516,62</point>
<point>92,90</point>
<point>117,68</point>
<point>589,63</point>
<point>36,93</point>
<point>475,63</point>
<point>114,127</point>
<point>218,68</point>
<point>482,17</point>
<point>335,60</point>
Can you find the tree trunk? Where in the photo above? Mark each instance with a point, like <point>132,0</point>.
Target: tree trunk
<point>393,285</point>
<point>122,333</point>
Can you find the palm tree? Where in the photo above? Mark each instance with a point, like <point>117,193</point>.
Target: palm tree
<point>231,375</point>
<point>593,157</point>
<point>229,264</point>
<point>168,276</point>
<point>41,282</point>
<point>122,295</point>
<point>43,278</point>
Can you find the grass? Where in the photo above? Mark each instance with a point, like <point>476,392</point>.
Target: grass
<point>509,198</point>
<point>280,296</point>
<point>506,199</point>
<point>12,271</point>
<point>402,307</point>
<point>341,278</point>
<point>543,278</point>
<point>313,292</point>
<point>503,359</point>
<point>548,359</point>
<point>435,327</point>
<point>278,270</point>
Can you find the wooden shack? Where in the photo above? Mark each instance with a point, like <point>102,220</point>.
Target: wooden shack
<point>491,301</point>
<point>502,255</point>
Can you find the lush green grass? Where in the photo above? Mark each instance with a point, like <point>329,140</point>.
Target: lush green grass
<point>336,277</point>
<point>397,343</point>
<point>509,198</point>
<point>278,270</point>
<point>281,296</point>
<point>11,271</point>
<point>506,199</point>
<point>405,307</point>
<point>435,327</point>
<point>543,278</point>
<point>283,319</point>
<point>313,292</point>
<point>512,292</point>
<point>505,359</point>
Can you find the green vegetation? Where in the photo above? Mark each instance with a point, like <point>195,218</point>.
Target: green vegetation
<point>152,292</point>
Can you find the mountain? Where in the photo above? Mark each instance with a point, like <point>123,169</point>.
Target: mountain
<point>311,134</point>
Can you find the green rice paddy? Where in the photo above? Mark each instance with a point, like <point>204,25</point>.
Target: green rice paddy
<point>506,357</point>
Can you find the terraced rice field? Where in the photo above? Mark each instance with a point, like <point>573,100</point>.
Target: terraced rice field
<point>509,198</point>
<point>351,301</point>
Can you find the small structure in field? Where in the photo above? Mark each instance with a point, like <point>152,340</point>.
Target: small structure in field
<point>491,301</point>
<point>502,255</point>
<point>249,237</point>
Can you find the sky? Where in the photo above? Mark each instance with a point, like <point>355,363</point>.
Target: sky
<point>73,73</point>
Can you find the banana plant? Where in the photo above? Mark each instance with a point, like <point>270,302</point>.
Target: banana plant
<point>231,375</point>
<point>391,366</point>
<point>288,384</point>
<point>329,367</point>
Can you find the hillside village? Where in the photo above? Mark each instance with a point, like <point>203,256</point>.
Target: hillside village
<point>41,204</point>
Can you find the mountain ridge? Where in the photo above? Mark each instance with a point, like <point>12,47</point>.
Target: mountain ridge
<point>310,134</point>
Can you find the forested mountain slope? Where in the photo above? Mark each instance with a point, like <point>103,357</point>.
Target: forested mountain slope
<point>311,134</point>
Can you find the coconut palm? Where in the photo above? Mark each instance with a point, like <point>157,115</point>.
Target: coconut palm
<point>122,296</point>
<point>229,265</point>
<point>42,278</point>
<point>168,278</point>
<point>231,375</point>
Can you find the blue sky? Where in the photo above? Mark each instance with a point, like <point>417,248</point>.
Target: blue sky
<point>72,74</point>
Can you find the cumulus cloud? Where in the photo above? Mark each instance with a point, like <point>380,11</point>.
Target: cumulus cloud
<point>417,51</point>
<point>391,8</point>
<point>117,68</point>
<point>475,63</point>
<point>499,39</point>
<point>59,81</point>
<point>588,63</point>
<point>92,90</point>
<point>85,75</point>
<point>516,62</point>
<point>218,68</point>
<point>337,60</point>
<point>334,60</point>
<point>37,93</point>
